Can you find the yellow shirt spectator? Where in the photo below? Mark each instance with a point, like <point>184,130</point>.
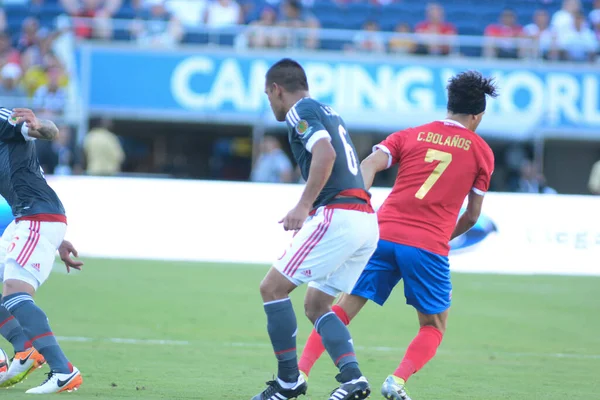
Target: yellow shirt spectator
<point>103,152</point>
<point>36,77</point>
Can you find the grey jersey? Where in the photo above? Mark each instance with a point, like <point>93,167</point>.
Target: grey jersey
<point>309,121</point>
<point>22,182</point>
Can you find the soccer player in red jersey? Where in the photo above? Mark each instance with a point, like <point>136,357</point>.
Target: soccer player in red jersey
<point>440,164</point>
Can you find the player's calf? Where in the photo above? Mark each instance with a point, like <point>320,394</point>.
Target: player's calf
<point>338,343</point>
<point>11,330</point>
<point>35,326</point>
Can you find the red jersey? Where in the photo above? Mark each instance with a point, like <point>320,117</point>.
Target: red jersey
<point>503,31</point>
<point>444,28</point>
<point>440,163</point>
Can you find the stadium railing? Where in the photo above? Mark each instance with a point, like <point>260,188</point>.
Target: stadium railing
<point>238,36</point>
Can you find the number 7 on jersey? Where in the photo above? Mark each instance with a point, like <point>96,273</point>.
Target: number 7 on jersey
<point>434,155</point>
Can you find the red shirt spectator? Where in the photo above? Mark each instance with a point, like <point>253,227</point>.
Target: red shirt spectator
<point>8,55</point>
<point>101,10</point>
<point>503,44</point>
<point>435,25</point>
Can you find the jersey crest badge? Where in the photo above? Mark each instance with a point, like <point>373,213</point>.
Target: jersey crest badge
<point>302,127</point>
<point>12,121</point>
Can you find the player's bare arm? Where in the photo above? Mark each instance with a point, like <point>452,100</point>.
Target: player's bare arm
<point>469,218</point>
<point>323,158</point>
<point>376,162</point>
<point>37,128</point>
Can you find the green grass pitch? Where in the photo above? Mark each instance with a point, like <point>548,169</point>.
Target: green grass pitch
<point>509,337</point>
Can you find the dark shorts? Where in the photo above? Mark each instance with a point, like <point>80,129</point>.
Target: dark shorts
<point>426,275</point>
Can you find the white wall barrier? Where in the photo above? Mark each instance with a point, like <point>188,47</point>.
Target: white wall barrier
<point>238,222</point>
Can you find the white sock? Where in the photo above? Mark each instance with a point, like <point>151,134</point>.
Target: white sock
<point>289,385</point>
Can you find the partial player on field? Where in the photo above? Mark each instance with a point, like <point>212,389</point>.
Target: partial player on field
<point>440,164</point>
<point>336,233</point>
<point>27,252</point>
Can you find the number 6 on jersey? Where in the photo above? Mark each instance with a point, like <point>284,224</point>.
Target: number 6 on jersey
<point>350,156</point>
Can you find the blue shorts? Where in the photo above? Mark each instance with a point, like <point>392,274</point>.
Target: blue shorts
<point>426,277</point>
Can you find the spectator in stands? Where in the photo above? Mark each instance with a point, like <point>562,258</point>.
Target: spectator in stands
<point>594,181</point>
<point>99,11</point>
<point>369,40</point>
<point>156,26</point>
<point>293,16</point>
<point>9,86</point>
<point>259,37</point>
<point>2,20</point>
<point>220,13</point>
<point>564,19</point>
<point>402,44</point>
<point>60,157</point>
<point>543,38</point>
<point>441,43</point>
<point>595,13</point>
<point>190,13</point>
<point>103,151</point>
<point>50,100</point>
<point>7,53</point>
<point>36,74</point>
<point>501,38</point>
<point>579,44</point>
<point>29,34</point>
<point>272,165</point>
<point>595,18</point>
<point>533,181</point>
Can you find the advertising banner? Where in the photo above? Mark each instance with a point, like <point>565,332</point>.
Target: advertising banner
<point>238,223</point>
<point>378,93</point>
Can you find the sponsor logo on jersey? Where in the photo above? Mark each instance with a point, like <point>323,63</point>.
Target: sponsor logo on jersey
<point>482,229</point>
<point>302,127</point>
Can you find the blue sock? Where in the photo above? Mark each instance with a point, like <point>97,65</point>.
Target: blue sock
<point>37,329</point>
<point>282,326</point>
<point>11,330</point>
<point>338,343</point>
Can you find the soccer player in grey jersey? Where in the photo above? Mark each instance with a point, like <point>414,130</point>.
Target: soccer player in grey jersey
<point>336,233</point>
<point>27,251</point>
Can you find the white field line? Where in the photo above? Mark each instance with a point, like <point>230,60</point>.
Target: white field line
<point>506,354</point>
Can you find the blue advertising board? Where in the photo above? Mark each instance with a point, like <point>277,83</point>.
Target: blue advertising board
<point>378,92</point>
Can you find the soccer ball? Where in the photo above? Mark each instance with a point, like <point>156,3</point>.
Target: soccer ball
<point>3,364</point>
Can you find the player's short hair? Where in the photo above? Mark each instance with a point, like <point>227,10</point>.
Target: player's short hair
<point>467,92</point>
<point>288,74</point>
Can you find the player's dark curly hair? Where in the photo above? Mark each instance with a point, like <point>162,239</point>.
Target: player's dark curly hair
<point>467,92</point>
<point>288,74</point>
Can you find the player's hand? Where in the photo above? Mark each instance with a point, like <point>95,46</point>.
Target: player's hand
<point>64,251</point>
<point>27,116</point>
<point>294,220</point>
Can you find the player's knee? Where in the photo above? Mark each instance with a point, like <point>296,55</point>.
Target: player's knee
<point>314,310</point>
<point>12,286</point>
<point>437,321</point>
<point>270,291</point>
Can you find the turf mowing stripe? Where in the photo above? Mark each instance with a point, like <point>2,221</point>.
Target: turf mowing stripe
<point>159,342</point>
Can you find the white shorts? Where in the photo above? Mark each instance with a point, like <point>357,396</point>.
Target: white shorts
<point>331,250</point>
<point>28,250</point>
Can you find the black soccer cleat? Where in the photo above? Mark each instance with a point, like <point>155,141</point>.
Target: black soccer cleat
<point>274,391</point>
<point>357,389</point>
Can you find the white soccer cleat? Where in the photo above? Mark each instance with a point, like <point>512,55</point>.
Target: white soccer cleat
<point>23,364</point>
<point>57,383</point>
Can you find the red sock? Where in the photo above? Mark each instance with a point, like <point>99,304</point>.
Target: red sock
<point>314,345</point>
<point>419,352</point>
